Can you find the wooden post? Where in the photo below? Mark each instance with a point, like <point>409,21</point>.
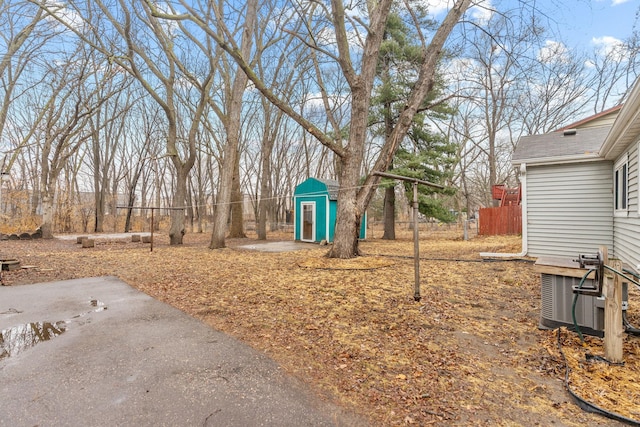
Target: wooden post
<point>88,243</point>
<point>613,330</point>
<point>416,243</point>
<point>152,225</point>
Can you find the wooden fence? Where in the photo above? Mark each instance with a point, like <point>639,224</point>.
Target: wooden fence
<point>501,220</point>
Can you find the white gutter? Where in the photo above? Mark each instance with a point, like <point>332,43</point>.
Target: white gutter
<point>628,114</point>
<point>554,160</point>
<point>523,183</point>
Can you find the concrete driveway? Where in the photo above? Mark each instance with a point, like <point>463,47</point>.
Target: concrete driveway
<point>96,352</point>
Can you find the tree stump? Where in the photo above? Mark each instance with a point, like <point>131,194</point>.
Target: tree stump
<point>9,264</point>
<point>88,243</point>
<point>79,239</point>
<point>135,238</point>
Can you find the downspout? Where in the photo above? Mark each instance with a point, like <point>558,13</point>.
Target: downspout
<point>523,183</point>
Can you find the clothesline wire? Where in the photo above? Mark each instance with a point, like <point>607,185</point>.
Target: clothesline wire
<point>315,193</point>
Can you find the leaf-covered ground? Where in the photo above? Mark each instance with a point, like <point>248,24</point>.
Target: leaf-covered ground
<point>469,353</point>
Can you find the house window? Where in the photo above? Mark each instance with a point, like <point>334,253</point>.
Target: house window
<point>621,186</point>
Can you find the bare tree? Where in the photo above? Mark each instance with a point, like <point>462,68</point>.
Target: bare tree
<point>21,42</point>
<point>107,133</point>
<point>129,35</point>
<point>62,126</point>
<point>615,68</point>
<point>359,73</point>
<point>557,90</point>
<point>232,125</point>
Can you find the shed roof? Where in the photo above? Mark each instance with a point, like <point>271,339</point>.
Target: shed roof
<point>559,147</point>
<point>318,186</point>
<point>332,187</point>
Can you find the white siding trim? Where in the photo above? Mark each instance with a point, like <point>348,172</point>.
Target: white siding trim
<point>314,221</point>
<point>621,186</point>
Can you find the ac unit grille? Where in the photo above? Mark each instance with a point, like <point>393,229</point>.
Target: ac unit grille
<point>557,300</point>
<point>547,296</point>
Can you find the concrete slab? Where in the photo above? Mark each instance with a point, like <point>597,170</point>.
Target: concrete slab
<point>115,356</point>
<point>285,246</point>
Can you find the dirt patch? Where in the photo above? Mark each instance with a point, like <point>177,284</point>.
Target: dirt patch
<point>469,353</point>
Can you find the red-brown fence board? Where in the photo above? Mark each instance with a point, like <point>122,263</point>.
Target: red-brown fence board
<point>496,191</point>
<point>500,220</point>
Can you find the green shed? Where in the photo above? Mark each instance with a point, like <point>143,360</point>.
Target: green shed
<point>315,204</point>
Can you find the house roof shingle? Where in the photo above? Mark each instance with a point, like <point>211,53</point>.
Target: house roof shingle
<point>585,144</point>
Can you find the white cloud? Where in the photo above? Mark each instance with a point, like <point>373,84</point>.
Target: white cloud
<point>606,42</point>
<point>436,7</point>
<point>67,17</point>
<point>553,51</point>
<point>618,2</point>
<point>610,46</point>
<point>480,12</point>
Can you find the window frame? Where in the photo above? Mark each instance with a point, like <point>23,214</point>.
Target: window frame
<point>621,185</point>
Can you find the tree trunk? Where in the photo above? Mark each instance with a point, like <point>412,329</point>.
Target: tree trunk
<point>263,210</point>
<point>189,210</point>
<point>237,204</point>
<point>265,193</point>
<point>131,200</point>
<point>177,231</point>
<point>98,226</point>
<point>492,168</point>
<point>98,184</point>
<point>221,214</point>
<point>389,213</point>
<point>155,225</point>
<point>202,209</point>
<point>349,214</point>
<point>47,216</point>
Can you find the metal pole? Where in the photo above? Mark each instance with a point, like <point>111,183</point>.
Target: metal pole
<point>416,244</point>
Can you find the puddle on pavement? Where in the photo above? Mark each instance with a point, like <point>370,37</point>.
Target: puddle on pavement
<point>22,337</point>
<point>99,304</point>
<point>94,303</point>
<point>19,338</point>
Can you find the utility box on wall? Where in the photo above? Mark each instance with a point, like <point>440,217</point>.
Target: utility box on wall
<point>558,278</point>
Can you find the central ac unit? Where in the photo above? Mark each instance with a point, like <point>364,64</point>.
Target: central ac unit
<point>557,299</point>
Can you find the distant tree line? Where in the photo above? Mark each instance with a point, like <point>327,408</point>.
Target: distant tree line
<point>198,105</point>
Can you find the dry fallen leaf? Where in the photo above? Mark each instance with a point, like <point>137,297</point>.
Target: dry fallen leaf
<point>469,353</point>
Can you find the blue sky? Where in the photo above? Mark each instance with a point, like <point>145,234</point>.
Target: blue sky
<point>588,23</point>
<point>582,24</point>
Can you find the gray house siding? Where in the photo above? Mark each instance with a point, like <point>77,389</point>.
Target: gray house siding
<point>626,230</point>
<point>569,208</point>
